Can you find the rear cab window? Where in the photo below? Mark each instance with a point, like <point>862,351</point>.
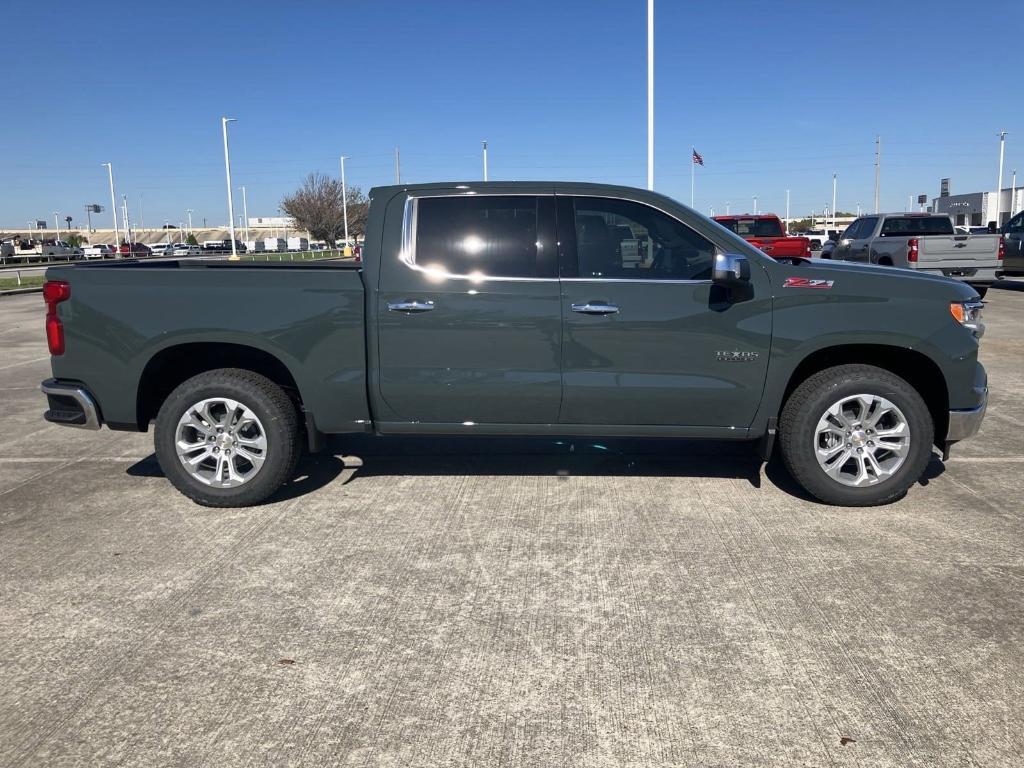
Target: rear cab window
<point>919,226</point>
<point>753,227</point>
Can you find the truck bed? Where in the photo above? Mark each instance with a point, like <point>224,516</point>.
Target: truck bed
<point>125,319</point>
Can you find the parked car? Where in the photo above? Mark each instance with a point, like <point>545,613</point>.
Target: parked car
<point>298,244</point>
<point>222,246</point>
<point>926,242</point>
<point>59,249</point>
<point>275,244</point>
<point>162,249</point>
<point>511,310</point>
<point>1013,238</point>
<point>817,237</point>
<point>133,250</point>
<point>98,251</point>
<point>8,250</point>
<point>184,249</point>
<point>765,231</point>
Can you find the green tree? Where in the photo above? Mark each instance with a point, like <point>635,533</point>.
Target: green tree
<point>74,239</point>
<point>191,240</point>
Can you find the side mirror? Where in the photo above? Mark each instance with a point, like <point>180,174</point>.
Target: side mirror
<point>730,269</point>
<point>993,228</point>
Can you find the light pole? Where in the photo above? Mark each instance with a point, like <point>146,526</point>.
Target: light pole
<point>787,210</point>
<point>834,177</point>
<point>127,226</point>
<point>189,212</point>
<point>755,205</point>
<point>858,210</point>
<point>398,166</point>
<point>727,206</point>
<point>1013,193</point>
<point>245,214</point>
<point>113,202</point>
<point>485,160</point>
<point>878,166</point>
<point>231,201</point>
<point>346,250</point>
<point>56,223</point>
<point>999,184</point>
<point>650,94</point>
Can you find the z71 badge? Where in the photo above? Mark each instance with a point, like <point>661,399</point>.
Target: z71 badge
<point>806,282</point>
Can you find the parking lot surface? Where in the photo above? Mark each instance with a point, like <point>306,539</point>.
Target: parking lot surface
<point>516,603</point>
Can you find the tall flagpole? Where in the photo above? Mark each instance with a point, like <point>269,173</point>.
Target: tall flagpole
<point>650,94</point>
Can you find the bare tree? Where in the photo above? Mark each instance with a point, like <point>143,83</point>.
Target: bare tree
<point>316,206</point>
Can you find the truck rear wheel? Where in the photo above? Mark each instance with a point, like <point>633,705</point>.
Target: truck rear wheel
<point>856,435</point>
<point>227,438</point>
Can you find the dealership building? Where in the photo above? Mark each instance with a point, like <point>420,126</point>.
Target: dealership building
<point>977,209</point>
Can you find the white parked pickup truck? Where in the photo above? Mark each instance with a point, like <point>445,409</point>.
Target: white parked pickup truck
<point>926,242</point>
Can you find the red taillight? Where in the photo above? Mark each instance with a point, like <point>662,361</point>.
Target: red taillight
<point>1001,254</point>
<point>912,250</point>
<point>54,292</point>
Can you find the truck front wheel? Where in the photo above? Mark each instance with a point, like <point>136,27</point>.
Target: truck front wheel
<point>227,438</point>
<point>856,435</point>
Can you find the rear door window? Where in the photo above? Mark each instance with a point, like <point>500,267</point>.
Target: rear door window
<point>485,235</point>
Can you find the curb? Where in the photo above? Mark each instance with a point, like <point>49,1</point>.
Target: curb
<point>20,291</point>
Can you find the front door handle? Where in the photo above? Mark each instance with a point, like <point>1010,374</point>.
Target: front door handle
<point>410,306</point>
<point>595,308</point>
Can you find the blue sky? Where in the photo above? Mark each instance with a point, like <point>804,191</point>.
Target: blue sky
<point>773,95</point>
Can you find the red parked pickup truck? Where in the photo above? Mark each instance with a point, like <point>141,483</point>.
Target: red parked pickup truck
<point>765,231</point>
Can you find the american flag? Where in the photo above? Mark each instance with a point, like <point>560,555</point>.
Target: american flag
<point>697,158</point>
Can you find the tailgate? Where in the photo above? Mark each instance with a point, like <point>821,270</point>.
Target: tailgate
<point>958,252</point>
<point>780,247</point>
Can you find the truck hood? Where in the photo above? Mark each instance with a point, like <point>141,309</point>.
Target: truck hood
<point>867,279</point>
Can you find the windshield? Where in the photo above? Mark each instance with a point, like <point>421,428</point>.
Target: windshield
<point>753,227</point>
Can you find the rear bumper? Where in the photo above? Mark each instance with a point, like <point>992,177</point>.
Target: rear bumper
<point>966,423</point>
<point>70,405</point>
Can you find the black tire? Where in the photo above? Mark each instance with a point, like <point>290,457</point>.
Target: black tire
<point>981,289</point>
<point>809,402</point>
<point>276,413</point>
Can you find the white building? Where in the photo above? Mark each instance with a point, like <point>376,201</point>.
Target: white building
<point>977,209</point>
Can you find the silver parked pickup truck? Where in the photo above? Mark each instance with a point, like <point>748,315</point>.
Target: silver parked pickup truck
<point>926,242</point>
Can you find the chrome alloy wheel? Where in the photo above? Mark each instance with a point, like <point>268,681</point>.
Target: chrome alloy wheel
<point>221,442</point>
<point>862,440</point>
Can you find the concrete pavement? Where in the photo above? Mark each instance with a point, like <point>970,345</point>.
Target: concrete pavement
<point>513,603</point>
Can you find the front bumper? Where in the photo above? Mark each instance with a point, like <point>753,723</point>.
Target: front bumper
<point>70,405</point>
<point>966,423</point>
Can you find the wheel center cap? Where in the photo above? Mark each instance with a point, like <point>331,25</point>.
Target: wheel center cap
<point>224,440</point>
<point>859,438</point>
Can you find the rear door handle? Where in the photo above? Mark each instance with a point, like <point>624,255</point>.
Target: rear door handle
<point>410,306</point>
<point>595,308</point>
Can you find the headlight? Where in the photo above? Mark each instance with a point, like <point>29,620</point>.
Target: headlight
<point>968,314</point>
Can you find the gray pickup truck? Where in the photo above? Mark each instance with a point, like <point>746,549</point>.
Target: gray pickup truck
<point>925,242</point>
<point>522,308</point>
